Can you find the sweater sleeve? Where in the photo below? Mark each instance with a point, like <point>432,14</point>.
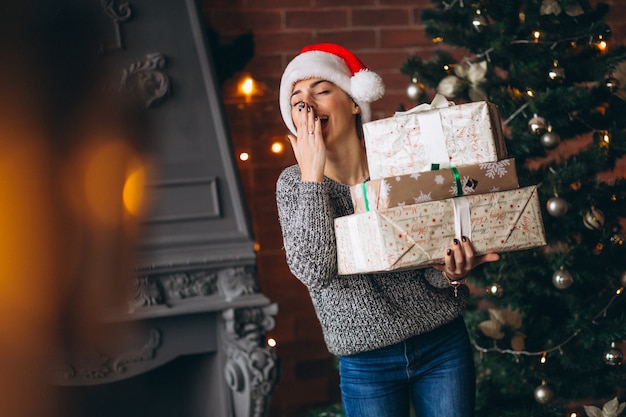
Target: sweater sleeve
<point>307,225</point>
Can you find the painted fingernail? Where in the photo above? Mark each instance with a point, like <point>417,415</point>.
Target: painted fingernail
<point>308,109</point>
<point>456,241</point>
<point>464,239</point>
<point>449,252</point>
<point>301,106</point>
<point>316,118</point>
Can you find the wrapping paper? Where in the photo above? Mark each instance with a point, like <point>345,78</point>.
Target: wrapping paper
<point>439,133</point>
<point>418,235</point>
<point>434,185</point>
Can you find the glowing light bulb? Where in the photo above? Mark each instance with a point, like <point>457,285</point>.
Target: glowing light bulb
<point>277,147</point>
<point>244,156</point>
<point>271,342</point>
<point>544,358</point>
<point>247,87</point>
<point>536,35</point>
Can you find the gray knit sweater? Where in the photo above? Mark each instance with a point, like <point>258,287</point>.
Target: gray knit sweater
<point>357,312</point>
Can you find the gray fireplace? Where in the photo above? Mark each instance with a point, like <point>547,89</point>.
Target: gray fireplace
<point>190,339</point>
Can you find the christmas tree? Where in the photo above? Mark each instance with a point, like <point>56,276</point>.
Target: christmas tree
<point>548,324</point>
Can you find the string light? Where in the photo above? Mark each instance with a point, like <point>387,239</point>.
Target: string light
<point>271,342</point>
<point>558,347</point>
<point>244,156</point>
<point>277,147</point>
<point>603,137</point>
<point>247,88</point>
<point>544,358</point>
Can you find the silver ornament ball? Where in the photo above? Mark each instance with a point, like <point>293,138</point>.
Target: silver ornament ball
<point>557,206</point>
<point>562,279</point>
<point>550,140</point>
<point>594,219</point>
<point>413,91</point>
<point>613,356</point>
<point>543,394</point>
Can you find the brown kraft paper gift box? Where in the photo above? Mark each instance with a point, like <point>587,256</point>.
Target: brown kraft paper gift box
<point>434,185</point>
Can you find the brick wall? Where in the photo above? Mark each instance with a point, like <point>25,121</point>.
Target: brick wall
<point>383,33</point>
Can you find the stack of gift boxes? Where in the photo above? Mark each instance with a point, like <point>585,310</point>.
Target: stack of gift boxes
<point>437,172</point>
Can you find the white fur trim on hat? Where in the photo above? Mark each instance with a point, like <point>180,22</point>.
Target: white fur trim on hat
<point>336,64</point>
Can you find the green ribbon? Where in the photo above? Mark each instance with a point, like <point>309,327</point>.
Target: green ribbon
<point>457,178</point>
<point>367,204</point>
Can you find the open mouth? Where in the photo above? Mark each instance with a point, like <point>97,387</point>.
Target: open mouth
<point>323,121</point>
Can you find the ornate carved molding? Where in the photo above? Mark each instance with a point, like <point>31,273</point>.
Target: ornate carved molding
<point>166,289</point>
<point>97,366</point>
<point>146,81</point>
<point>118,14</point>
<point>251,369</point>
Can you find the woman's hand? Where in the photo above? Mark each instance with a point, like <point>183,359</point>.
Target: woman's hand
<point>460,260</point>
<point>308,147</point>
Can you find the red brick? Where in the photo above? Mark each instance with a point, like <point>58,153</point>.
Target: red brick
<point>279,4</point>
<point>265,65</point>
<point>225,21</point>
<point>207,5</point>
<point>380,17</point>
<point>399,38</point>
<point>353,39</point>
<point>423,4</point>
<point>382,58</point>
<point>325,19</point>
<point>285,41</point>
<point>340,3</point>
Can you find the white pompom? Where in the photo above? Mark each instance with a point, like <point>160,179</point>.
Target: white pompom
<point>366,86</point>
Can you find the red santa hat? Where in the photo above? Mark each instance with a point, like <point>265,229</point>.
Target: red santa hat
<point>338,65</point>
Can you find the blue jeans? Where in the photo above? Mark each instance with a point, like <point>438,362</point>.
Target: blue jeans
<point>435,370</point>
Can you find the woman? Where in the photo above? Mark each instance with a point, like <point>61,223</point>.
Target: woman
<point>399,336</point>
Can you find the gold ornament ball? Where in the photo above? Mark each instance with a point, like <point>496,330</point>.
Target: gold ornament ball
<point>593,219</point>
<point>617,239</point>
<point>543,394</point>
<point>495,290</point>
<point>537,125</point>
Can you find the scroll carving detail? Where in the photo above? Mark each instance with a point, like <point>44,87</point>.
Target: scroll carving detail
<point>251,370</point>
<point>146,81</point>
<point>167,289</point>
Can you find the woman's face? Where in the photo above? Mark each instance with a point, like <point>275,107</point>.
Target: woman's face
<point>331,104</point>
